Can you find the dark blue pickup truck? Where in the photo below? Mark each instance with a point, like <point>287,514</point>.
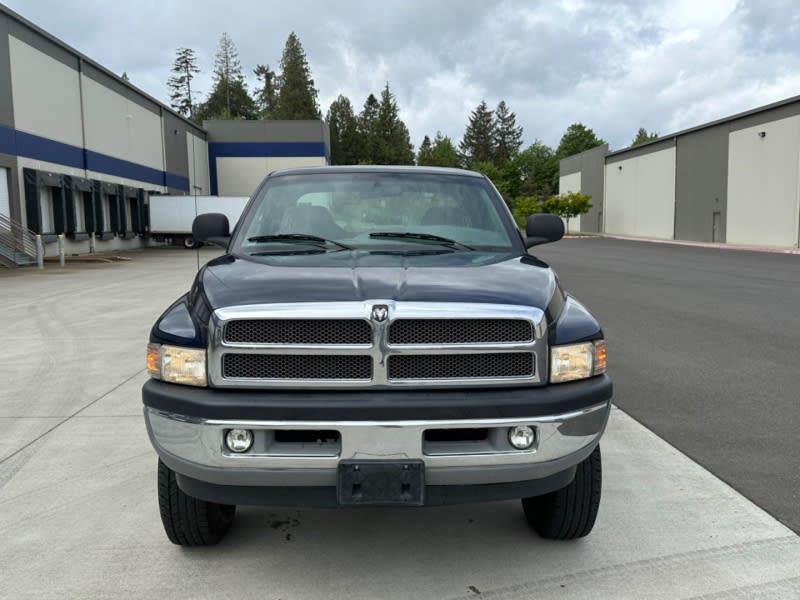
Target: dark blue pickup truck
<point>376,336</point>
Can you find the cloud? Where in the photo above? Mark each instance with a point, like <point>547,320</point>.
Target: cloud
<point>615,66</point>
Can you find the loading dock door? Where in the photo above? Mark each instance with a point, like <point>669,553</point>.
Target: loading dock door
<point>5,206</point>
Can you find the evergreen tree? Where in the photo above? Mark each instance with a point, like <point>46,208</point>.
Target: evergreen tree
<point>297,97</point>
<point>229,99</point>
<point>642,136</point>
<point>184,69</point>
<point>443,153</point>
<point>392,140</point>
<point>345,143</point>
<point>425,153</point>
<point>507,136</point>
<point>577,138</point>
<point>227,68</point>
<point>267,93</point>
<point>366,133</point>
<point>477,145</point>
<point>215,106</point>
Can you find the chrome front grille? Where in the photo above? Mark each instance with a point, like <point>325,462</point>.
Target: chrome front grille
<point>296,366</point>
<point>459,331</point>
<point>298,331</point>
<point>376,343</point>
<point>461,366</point>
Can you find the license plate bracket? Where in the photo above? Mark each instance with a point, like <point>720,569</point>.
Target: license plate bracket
<point>381,482</point>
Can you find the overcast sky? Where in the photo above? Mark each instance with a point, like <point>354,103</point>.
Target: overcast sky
<point>665,65</point>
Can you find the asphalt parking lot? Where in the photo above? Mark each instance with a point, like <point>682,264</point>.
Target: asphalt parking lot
<point>704,351</point>
<point>78,511</point>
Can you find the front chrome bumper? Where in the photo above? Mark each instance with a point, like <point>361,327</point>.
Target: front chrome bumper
<point>194,447</point>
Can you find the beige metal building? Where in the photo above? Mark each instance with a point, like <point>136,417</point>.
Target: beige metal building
<point>81,150</point>
<point>734,181</point>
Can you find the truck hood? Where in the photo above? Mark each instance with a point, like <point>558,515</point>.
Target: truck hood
<point>483,277</point>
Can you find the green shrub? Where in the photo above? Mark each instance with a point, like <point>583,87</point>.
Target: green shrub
<point>524,207</point>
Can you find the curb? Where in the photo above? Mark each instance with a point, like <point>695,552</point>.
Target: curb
<point>695,244</point>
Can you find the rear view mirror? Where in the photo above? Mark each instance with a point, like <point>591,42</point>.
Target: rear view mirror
<point>543,229</point>
<point>211,228</point>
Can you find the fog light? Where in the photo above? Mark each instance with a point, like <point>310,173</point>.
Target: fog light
<point>521,437</point>
<point>239,440</point>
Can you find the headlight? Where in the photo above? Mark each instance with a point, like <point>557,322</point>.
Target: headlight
<point>577,361</point>
<point>177,365</point>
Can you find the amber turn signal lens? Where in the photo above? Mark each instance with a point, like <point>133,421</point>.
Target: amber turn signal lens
<point>599,357</point>
<point>154,360</point>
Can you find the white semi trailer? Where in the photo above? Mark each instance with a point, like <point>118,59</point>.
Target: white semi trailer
<point>171,216</point>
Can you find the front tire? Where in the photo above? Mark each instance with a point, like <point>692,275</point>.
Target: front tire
<point>189,521</point>
<point>570,512</point>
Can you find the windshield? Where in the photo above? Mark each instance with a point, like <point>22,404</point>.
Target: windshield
<point>375,211</point>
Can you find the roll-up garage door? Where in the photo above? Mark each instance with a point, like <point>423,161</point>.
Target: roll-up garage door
<point>5,206</point>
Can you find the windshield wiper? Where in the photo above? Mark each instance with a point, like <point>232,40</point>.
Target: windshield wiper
<point>422,237</point>
<point>295,237</point>
<point>314,250</point>
<point>429,252</point>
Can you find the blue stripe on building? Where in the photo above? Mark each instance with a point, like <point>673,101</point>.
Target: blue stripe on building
<point>39,148</point>
<point>8,142</point>
<point>265,149</point>
<point>258,150</point>
<point>35,147</point>
<point>176,181</point>
<point>123,168</point>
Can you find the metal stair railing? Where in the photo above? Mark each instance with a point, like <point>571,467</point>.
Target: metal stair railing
<point>17,238</point>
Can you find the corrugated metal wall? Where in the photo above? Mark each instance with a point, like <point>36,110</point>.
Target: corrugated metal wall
<point>733,181</point>
<point>84,138</point>
<point>640,195</point>
<point>764,184</point>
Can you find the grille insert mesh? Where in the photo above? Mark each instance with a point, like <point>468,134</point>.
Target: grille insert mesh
<point>299,331</point>
<point>461,366</point>
<point>459,331</point>
<point>296,366</point>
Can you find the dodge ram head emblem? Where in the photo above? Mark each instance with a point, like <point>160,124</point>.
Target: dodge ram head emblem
<point>380,312</point>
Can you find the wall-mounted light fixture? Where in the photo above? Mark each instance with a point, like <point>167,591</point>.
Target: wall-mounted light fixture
<point>620,167</point>
<point>762,134</point>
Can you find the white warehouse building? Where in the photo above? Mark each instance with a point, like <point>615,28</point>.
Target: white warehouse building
<point>734,181</point>
<point>81,150</point>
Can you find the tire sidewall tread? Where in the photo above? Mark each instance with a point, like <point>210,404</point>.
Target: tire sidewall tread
<point>570,512</point>
<point>190,521</point>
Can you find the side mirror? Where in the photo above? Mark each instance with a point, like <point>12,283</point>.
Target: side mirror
<point>211,228</point>
<point>543,229</point>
